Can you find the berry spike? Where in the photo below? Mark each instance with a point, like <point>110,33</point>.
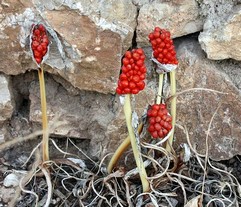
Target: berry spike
<point>162,45</point>
<point>133,73</point>
<point>39,43</point>
<point>164,53</point>
<point>160,122</point>
<point>131,81</point>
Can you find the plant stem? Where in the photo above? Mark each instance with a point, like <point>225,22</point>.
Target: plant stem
<point>122,147</point>
<point>134,144</point>
<point>45,139</point>
<point>159,93</point>
<point>173,108</point>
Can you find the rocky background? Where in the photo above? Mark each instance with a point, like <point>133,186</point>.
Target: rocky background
<point>88,40</point>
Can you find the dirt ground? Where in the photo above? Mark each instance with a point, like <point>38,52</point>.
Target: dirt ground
<point>83,181</point>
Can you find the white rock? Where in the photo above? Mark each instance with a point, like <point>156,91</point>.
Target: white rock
<point>222,42</point>
<point>6,103</point>
<point>12,180</point>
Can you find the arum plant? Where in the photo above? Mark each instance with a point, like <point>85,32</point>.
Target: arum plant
<point>131,81</point>
<point>39,47</point>
<point>164,56</point>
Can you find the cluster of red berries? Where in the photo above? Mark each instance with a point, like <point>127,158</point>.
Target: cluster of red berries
<point>162,45</point>
<point>159,121</point>
<point>39,43</point>
<point>133,72</point>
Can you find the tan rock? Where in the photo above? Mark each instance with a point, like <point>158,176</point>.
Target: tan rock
<point>196,107</point>
<point>179,17</point>
<point>98,66</point>
<point>92,37</point>
<point>222,42</point>
<point>6,99</point>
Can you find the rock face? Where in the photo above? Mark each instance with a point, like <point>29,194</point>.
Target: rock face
<point>222,42</point>
<point>6,99</point>
<point>179,17</point>
<point>216,96</point>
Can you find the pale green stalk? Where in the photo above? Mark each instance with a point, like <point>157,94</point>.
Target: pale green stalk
<point>173,108</point>
<point>134,144</point>
<point>45,139</point>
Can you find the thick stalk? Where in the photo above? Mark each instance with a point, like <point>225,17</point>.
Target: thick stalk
<point>159,92</point>
<point>173,108</point>
<point>45,140</point>
<point>134,144</point>
<point>122,147</point>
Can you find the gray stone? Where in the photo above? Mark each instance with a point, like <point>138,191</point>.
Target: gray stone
<point>220,38</point>
<point>6,99</point>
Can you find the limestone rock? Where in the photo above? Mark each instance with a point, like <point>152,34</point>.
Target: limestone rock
<point>196,107</point>
<point>98,66</point>
<point>179,17</point>
<point>88,39</point>
<point>6,99</point>
<point>223,42</point>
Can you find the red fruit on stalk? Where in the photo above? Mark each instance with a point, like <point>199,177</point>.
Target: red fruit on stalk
<point>160,123</point>
<point>133,73</point>
<point>162,46</point>
<point>40,42</point>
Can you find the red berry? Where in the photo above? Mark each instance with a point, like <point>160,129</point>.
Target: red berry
<point>40,48</point>
<point>36,32</point>
<point>139,51</point>
<point>139,63</point>
<point>124,83</point>
<point>154,134</point>
<point>151,36</point>
<point>127,90</point>
<point>157,29</point>
<point>34,44</point>
<point>151,128</point>
<point>133,72</point>
<point>38,60</point>
<point>132,85</point>
<point>135,91</point>
<point>141,85</point>
<point>125,61</point>
<point>136,56</point>
<point>159,121</point>
<point>162,45</point>
<point>37,54</point>
<point>41,28</point>
<point>136,78</point>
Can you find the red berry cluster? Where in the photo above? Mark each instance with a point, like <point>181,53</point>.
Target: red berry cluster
<point>133,72</point>
<point>162,45</point>
<point>159,121</point>
<point>39,43</point>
